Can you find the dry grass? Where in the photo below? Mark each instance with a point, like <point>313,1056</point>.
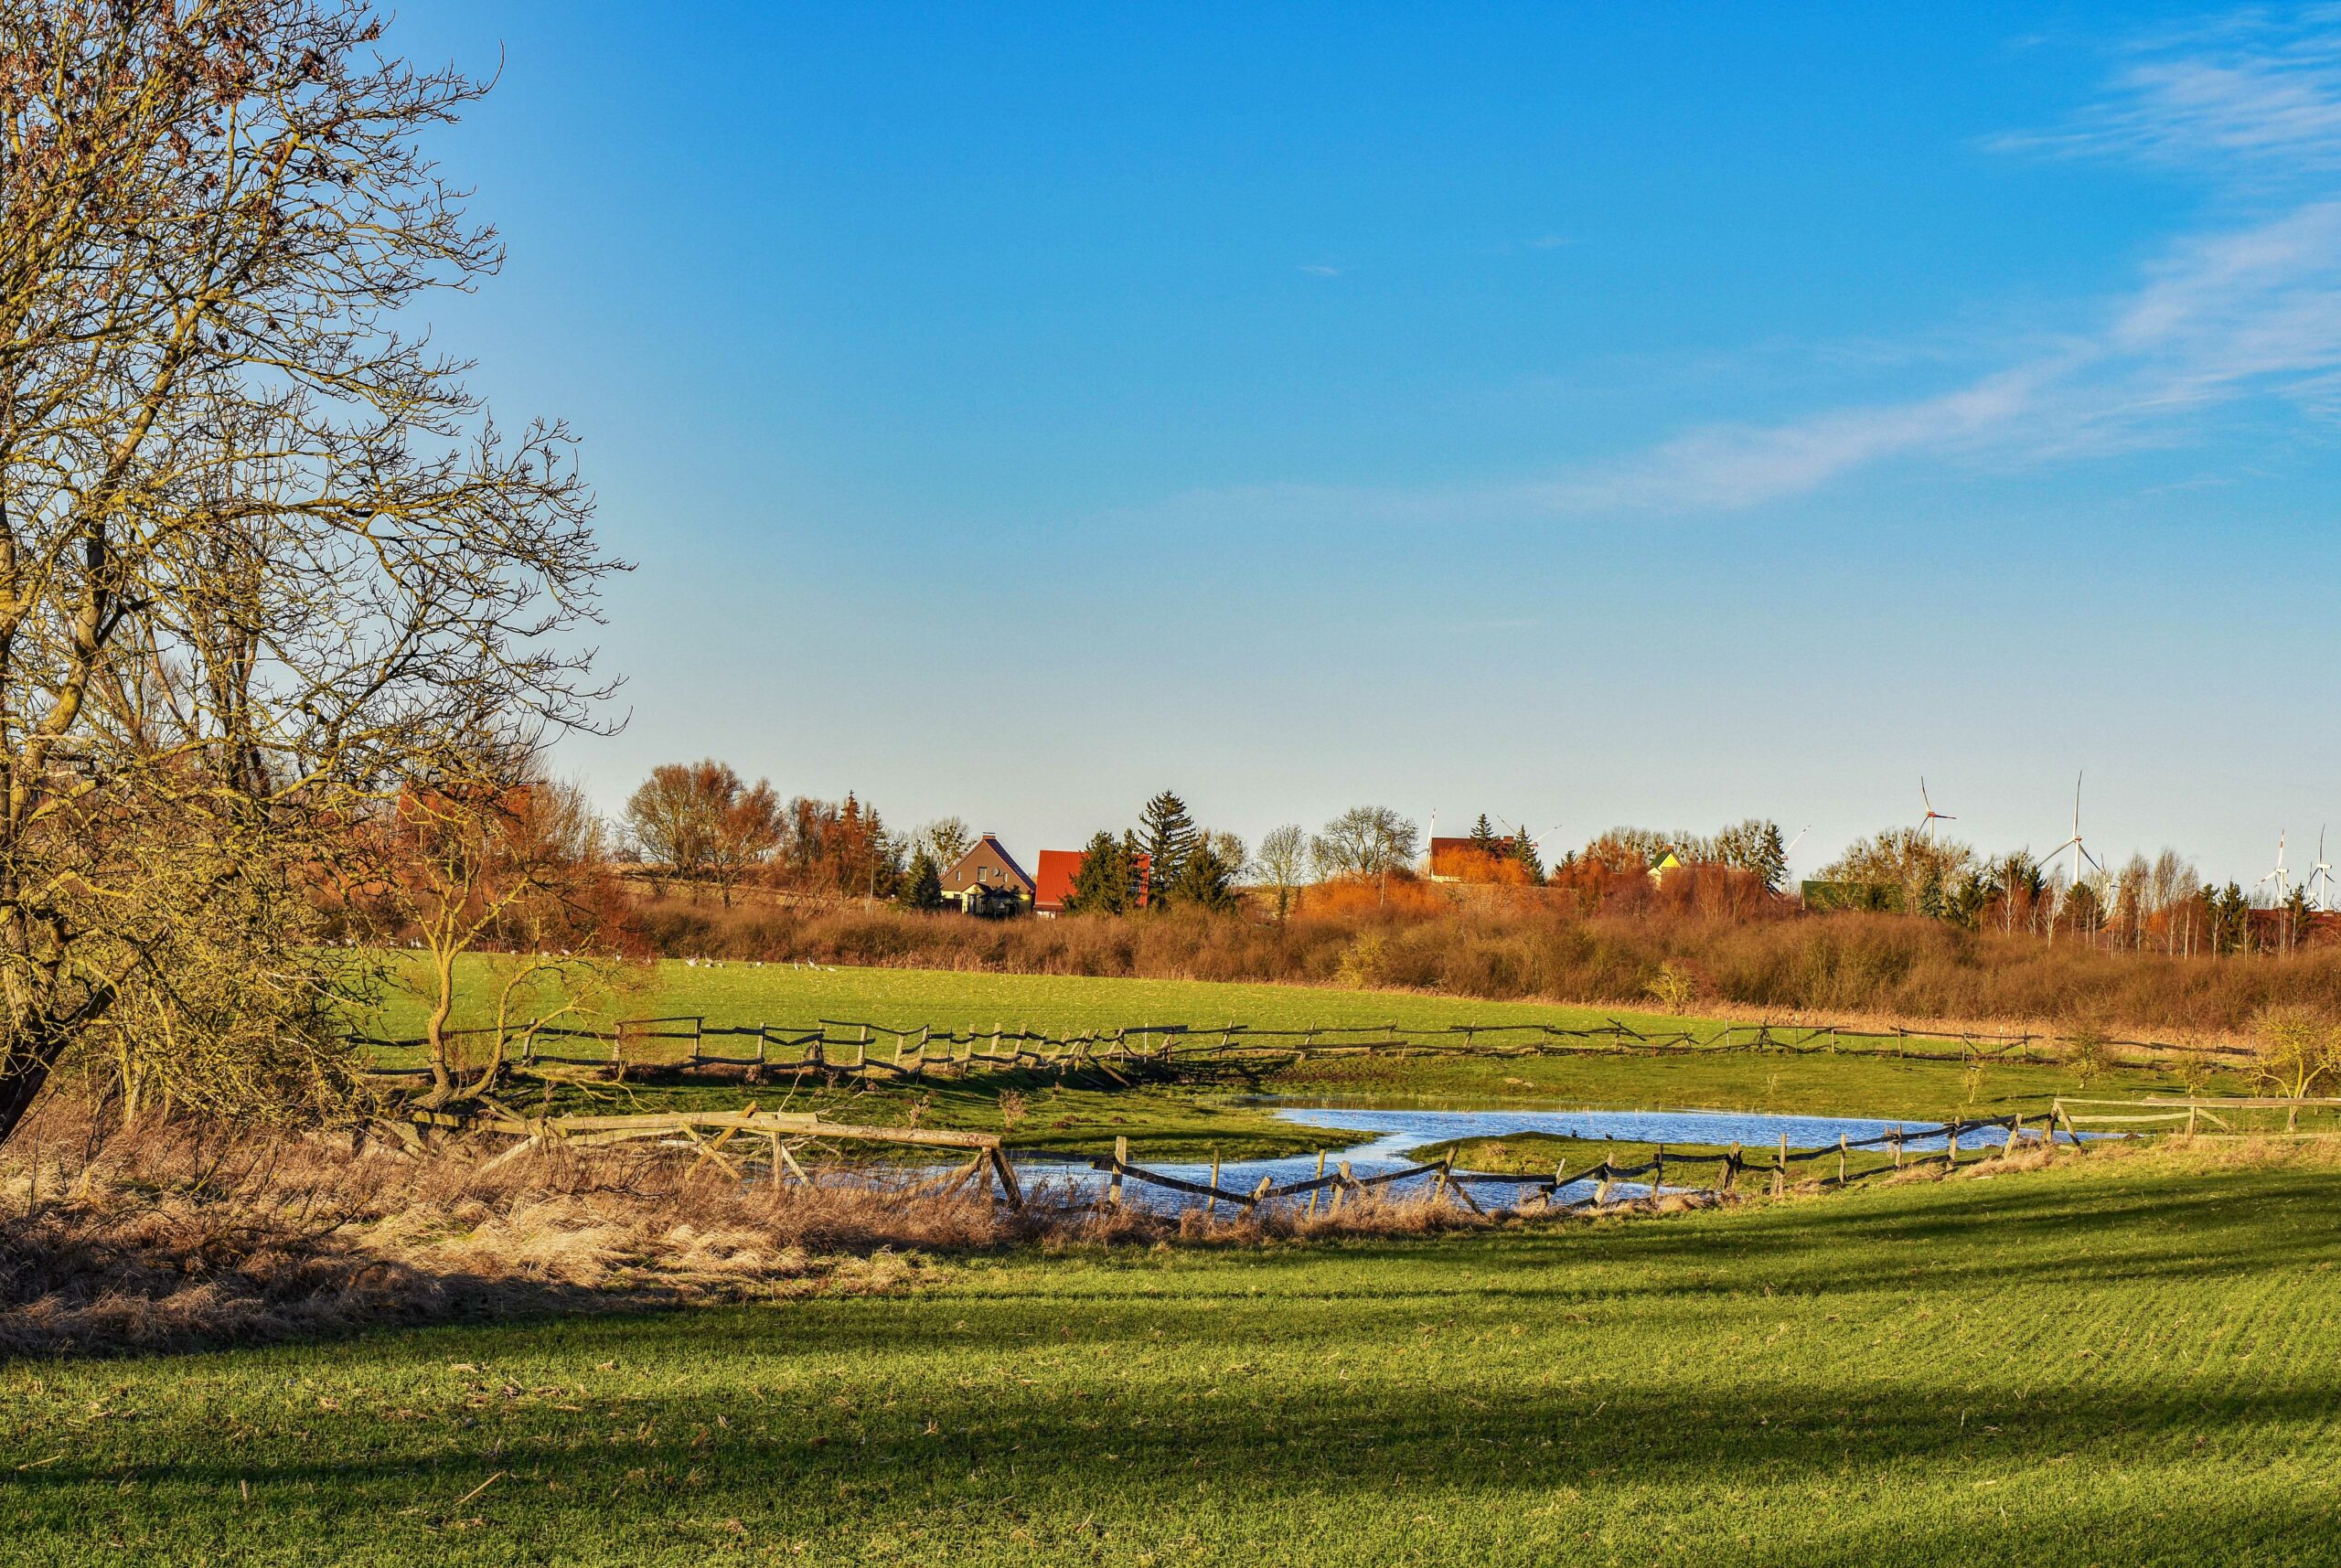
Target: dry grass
<point>192,1232</point>
<point>1535,944</point>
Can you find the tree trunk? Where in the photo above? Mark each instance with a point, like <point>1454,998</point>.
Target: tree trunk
<point>29,1057</point>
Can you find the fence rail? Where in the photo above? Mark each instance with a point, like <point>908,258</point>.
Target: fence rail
<point>842,1048</point>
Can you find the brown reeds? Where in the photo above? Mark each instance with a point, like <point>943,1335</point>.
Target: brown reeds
<point>193,1233</point>
<point>1523,943</point>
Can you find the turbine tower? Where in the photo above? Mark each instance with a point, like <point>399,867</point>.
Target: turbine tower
<point>2282,878</point>
<point>2320,879</point>
<point>2080,849</point>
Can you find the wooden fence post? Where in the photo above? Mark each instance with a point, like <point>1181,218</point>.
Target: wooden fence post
<point>1658,1171</point>
<point>1342,1191</point>
<point>1780,1171</point>
<point>1731,1168</point>
<point>1602,1179</point>
<point>1841,1159</point>
<point>1121,1158</point>
<point>1210,1204</point>
<point>1010,1187</point>
<point>1315,1190</point>
<point>1897,1146</point>
<point>1954,1143</point>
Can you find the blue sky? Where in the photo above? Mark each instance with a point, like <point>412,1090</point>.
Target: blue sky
<point>1584,413</point>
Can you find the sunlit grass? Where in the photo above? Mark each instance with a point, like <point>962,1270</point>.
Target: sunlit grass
<point>2123,1360</point>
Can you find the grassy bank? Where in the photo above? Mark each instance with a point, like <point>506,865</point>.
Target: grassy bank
<point>2116,1361</point>
<point>1537,1154</point>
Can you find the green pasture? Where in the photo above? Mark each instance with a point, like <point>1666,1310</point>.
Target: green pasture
<point>1852,1084</point>
<point>735,995</point>
<point>2127,1359</point>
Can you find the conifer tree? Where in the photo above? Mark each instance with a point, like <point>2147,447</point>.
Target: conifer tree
<point>1483,837</point>
<point>1524,851</point>
<point>1206,881</point>
<point>1104,882</point>
<point>1167,836</point>
<point>922,886</point>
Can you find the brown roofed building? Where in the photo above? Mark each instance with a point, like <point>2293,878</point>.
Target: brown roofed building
<point>1464,860</point>
<point>987,880</point>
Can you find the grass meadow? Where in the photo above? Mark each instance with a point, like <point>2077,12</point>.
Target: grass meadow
<point>1853,1083</point>
<point>2124,1359</point>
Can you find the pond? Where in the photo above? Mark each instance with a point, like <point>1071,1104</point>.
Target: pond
<point>1386,1135</point>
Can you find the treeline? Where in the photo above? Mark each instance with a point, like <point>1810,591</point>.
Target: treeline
<point>2161,905</point>
<point>700,825</point>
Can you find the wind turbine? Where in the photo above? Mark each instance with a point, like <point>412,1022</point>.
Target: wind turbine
<point>1797,840</point>
<point>2080,849</point>
<point>2321,874</point>
<point>2282,878</point>
<point>1927,824</point>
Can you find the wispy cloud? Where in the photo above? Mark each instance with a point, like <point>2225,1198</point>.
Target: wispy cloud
<point>2249,308</point>
<point>1322,272</point>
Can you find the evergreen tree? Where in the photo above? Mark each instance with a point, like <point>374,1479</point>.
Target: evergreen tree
<point>922,885</point>
<point>1523,852</point>
<point>1483,837</point>
<point>1167,836</point>
<point>1206,881</point>
<point>1104,882</point>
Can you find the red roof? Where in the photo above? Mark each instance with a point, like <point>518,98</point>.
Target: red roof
<point>1054,872</point>
<point>1052,879</point>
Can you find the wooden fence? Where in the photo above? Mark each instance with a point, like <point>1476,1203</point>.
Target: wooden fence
<point>711,1133</point>
<point>842,1050</point>
<point>1778,1165</point>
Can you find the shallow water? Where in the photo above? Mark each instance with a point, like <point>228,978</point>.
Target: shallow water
<point>1386,1134</point>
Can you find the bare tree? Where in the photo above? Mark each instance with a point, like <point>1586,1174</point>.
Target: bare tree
<point>1283,863</point>
<point>947,839</point>
<point>1367,842</point>
<point>498,863</point>
<point>264,560</point>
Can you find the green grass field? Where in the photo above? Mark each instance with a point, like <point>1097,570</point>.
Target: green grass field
<point>740,994</point>
<point>2119,1360</point>
<point>1822,1084</point>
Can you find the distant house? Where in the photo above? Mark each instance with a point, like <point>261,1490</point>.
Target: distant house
<point>1465,859</point>
<point>1058,867</point>
<point>1052,880</point>
<point>1665,860</point>
<point>987,881</point>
